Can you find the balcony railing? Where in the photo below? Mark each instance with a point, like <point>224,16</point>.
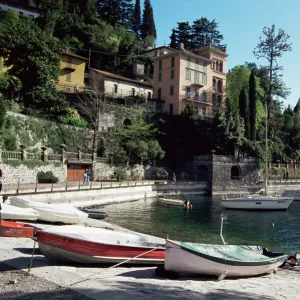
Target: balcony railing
<point>124,92</point>
<point>195,98</point>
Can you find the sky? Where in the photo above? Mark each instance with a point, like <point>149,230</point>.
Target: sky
<point>241,25</point>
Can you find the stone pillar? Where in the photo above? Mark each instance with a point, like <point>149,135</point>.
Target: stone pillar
<point>79,153</point>
<point>44,154</point>
<point>23,152</point>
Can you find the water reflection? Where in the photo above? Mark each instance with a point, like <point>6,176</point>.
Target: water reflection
<point>202,223</point>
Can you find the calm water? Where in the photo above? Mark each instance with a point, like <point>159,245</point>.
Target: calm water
<point>202,224</point>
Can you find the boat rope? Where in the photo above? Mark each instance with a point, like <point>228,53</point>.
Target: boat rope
<point>31,260</point>
<point>118,264</point>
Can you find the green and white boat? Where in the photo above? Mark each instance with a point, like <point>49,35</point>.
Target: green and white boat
<point>220,260</point>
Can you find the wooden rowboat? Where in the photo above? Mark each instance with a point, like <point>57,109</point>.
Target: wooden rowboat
<point>16,229</point>
<point>220,260</point>
<point>169,201</point>
<point>79,244</point>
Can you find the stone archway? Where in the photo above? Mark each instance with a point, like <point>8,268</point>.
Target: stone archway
<point>236,173</point>
<point>203,173</point>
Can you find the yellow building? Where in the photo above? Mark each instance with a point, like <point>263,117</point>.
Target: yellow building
<point>71,78</point>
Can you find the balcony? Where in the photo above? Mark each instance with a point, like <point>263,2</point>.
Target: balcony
<point>194,97</point>
<point>197,84</point>
<point>68,66</point>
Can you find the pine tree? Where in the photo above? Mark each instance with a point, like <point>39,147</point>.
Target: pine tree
<point>136,18</point>
<point>148,25</point>
<point>173,43</point>
<point>252,106</point>
<point>183,34</point>
<point>244,111</point>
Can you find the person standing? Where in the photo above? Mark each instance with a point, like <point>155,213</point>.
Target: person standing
<point>89,174</point>
<point>85,178</point>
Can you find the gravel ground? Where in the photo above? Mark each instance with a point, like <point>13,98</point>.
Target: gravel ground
<point>19,285</point>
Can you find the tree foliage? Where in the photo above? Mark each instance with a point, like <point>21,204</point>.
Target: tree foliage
<point>252,106</point>
<point>148,28</point>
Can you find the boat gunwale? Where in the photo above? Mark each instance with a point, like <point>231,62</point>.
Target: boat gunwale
<point>97,243</point>
<point>231,262</point>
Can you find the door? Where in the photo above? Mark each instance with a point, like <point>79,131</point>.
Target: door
<point>75,172</point>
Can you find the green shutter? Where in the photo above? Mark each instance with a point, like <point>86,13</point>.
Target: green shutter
<point>188,62</point>
<point>205,67</point>
<point>197,64</point>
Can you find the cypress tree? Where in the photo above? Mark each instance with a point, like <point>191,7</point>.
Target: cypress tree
<point>252,106</point>
<point>148,24</point>
<point>244,111</point>
<point>173,43</point>
<point>136,18</point>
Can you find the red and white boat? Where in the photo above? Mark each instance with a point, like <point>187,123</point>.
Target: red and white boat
<point>16,229</point>
<point>79,244</point>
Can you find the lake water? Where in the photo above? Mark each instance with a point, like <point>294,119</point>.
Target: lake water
<point>202,223</point>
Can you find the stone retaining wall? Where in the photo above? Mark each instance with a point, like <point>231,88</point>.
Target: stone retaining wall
<point>23,174</point>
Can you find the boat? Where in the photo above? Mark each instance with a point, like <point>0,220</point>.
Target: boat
<point>293,193</point>
<point>169,201</point>
<point>94,214</point>
<point>220,260</point>
<point>79,244</point>
<point>62,213</point>
<point>10,212</point>
<point>16,229</point>
<point>257,202</point>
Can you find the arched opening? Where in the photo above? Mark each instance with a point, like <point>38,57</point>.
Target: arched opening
<point>203,173</point>
<point>221,67</point>
<point>236,173</point>
<point>217,66</point>
<point>214,83</point>
<point>219,87</point>
<point>219,100</point>
<point>203,96</point>
<point>214,99</point>
<point>127,122</point>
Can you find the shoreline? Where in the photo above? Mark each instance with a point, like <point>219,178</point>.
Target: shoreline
<point>133,282</point>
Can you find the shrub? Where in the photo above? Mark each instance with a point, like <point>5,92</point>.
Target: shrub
<point>73,118</point>
<point>46,177</point>
<point>120,173</point>
<point>161,173</point>
<point>2,111</point>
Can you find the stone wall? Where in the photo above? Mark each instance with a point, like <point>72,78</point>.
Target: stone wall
<point>220,172</point>
<point>24,174</point>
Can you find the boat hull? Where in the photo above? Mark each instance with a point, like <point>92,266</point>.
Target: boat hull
<point>10,212</point>
<point>65,249</point>
<point>183,262</point>
<point>174,202</point>
<point>15,229</point>
<point>257,203</point>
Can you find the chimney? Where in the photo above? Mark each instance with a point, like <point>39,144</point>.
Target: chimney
<point>181,46</point>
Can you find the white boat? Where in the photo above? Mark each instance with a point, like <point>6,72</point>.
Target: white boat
<point>62,213</point>
<point>10,212</point>
<point>79,244</point>
<point>257,202</point>
<point>169,201</point>
<point>220,260</point>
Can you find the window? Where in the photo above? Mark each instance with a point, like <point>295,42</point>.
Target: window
<point>205,68</point>
<point>188,74</point>
<point>219,86</point>
<point>204,79</point>
<point>214,99</point>
<point>197,64</point>
<point>219,100</point>
<point>133,91</point>
<point>188,62</point>
<point>69,76</point>
<point>217,66</point>
<point>172,62</point>
<point>187,92</point>
<point>171,109</point>
<point>160,65</point>
<point>221,67</point>
<point>159,94</point>
<point>171,90</point>
<point>196,94</point>
<point>172,74</point>
<point>149,95</point>
<point>196,78</point>
<point>159,76</point>
<point>204,96</point>
<point>115,88</point>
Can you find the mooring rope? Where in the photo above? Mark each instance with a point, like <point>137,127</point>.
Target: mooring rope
<point>31,260</point>
<point>118,264</point>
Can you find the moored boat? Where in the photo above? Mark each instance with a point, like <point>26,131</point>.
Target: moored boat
<point>16,229</point>
<point>79,244</point>
<point>94,214</point>
<point>169,201</point>
<point>257,202</point>
<point>220,260</point>
<point>62,213</point>
<point>10,212</point>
